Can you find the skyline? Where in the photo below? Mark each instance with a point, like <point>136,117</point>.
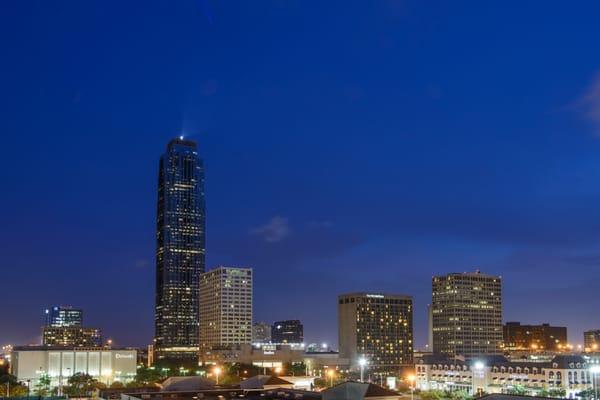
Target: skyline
<point>398,146</point>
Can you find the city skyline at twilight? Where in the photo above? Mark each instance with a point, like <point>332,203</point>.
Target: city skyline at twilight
<point>409,141</point>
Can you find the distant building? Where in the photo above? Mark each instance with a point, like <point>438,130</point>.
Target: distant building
<point>287,332</point>
<point>29,363</point>
<point>180,251</point>
<point>71,336</point>
<point>534,337</point>
<point>225,308</point>
<point>377,327</point>
<point>466,312</point>
<point>591,340</point>
<point>59,316</point>
<point>496,374</point>
<point>261,332</point>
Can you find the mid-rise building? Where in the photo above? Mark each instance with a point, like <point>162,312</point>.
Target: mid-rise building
<point>287,332</point>
<point>180,250</point>
<point>225,308</point>
<point>466,314</point>
<point>534,337</point>
<point>591,340</point>
<point>376,327</point>
<point>71,336</point>
<point>58,316</point>
<point>30,363</point>
<point>496,374</point>
<point>261,332</point>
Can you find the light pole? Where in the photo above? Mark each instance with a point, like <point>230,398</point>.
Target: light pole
<point>330,373</point>
<point>594,369</point>
<point>362,362</point>
<point>411,379</point>
<point>217,372</point>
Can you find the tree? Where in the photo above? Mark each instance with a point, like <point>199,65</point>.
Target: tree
<point>117,385</point>
<point>432,395</point>
<point>517,390</point>
<point>147,376</point>
<point>558,393</point>
<point>586,394</point>
<point>460,395</point>
<point>80,385</point>
<point>42,387</point>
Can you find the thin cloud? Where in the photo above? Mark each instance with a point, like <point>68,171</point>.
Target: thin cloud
<point>275,230</point>
<point>589,103</point>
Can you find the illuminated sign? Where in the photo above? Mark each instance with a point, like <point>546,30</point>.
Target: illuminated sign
<point>376,296</point>
<point>118,355</point>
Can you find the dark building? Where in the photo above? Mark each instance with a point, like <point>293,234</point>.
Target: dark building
<point>290,331</point>
<point>376,327</point>
<point>533,337</point>
<point>180,250</point>
<point>591,340</point>
<point>466,314</point>
<point>71,336</point>
<point>63,316</point>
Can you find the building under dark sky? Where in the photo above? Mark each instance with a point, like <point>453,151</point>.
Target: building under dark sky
<point>536,337</point>
<point>180,250</point>
<point>58,316</point>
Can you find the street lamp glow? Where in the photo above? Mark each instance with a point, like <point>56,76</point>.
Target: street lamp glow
<point>362,361</point>
<point>217,372</point>
<point>278,370</point>
<point>479,365</point>
<point>595,369</point>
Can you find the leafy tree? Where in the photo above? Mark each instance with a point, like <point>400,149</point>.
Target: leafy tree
<point>117,385</point>
<point>432,395</point>
<point>295,369</point>
<point>558,393</point>
<point>42,387</point>
<point>517,390</point>
<point>80,385</point>
<point>148,376</point>
<point>586,394</point>
<point>460,395</point>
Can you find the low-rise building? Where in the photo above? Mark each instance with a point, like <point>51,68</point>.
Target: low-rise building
<point>71,336</point>
<point>30,363</point>
<point>534,337</point>
<point>496,374</point>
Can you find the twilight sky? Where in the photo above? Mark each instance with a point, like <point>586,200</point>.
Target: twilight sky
<point>349,146</point>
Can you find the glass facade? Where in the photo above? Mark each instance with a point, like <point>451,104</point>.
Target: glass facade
<point>63,316</point>
<point>180,250</point>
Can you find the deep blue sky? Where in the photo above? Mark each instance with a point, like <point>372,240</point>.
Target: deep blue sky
<point>348,146</point>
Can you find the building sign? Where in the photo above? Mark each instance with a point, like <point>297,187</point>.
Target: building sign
<point>119,355</point>
<point>376,296</point>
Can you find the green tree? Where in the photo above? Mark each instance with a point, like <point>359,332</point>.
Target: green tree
<point>460,395</point>
<point>42,387</point>
<point>558,393</point>
<point>117,385</point>
<point>146,376</point>
<point>432,395</point>
<point>586,394</point>
<point>80,385</point>
<point>518,390</point>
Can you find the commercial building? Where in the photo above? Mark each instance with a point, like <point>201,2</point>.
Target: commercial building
<point>466,314</point>
<point>591,340</point>
<point>59,316</point>
<point>225,308</point>
<point>496,374</point>
<point>287,332</point>
<point>534,337</point>
<point>261,332</point>
<point>71,336</point>
<point>376,327</point>
<point>30,363</point>
<point>180,250</point>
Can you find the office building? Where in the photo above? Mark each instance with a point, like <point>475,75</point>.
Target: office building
<point>287,332</point>
<point>30,363</point>
<point>180,250</point>
<point>59,316</point>
<point>534,337</point>
<point>378,328</point>
<point>591,340</point>
<point>71,336</point>
<point>466,313</point>
<point>261,332</point>
<point>496,374</point>
<point>225,308</point>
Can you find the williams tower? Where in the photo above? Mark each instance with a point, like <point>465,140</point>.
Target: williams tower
<point>180,249</point>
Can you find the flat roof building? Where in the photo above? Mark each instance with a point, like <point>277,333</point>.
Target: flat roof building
<point>289,331</point>
<point>225,308</point>
<point>534,337</point>
<point>466,314</point>
<point>377,327</point>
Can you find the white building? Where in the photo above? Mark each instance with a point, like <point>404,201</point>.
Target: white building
<point>496,374</point>
<point>106,365</point>
<point>225,308</point>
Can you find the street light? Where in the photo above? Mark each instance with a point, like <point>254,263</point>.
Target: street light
<point>217,372</point>
<point>362,362</point>
<point>411,379</point>
<point>278,370</point>
<point>594,369</point>
<point>330,374</point>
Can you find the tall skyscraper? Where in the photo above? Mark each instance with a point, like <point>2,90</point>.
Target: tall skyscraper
<point>180,250</point>
<point>466,312</point>
<point>288,332</point>
<point>59,316</point>
<point>261,332</point>
<point>225,308</point>
<point>376,327</point>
